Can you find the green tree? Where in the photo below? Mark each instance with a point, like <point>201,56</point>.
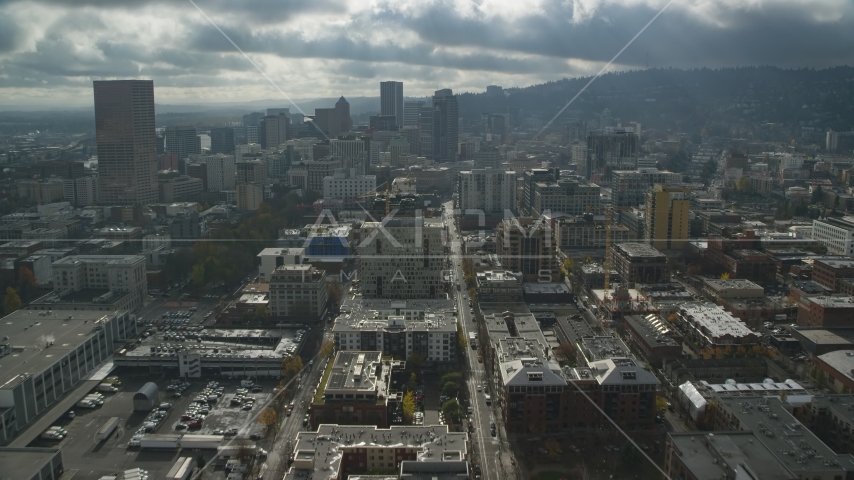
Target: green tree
<point>408,406</point>
<point>452,411</point>
<point>817,195</point>
<point>743,184</point>
<point>261,312</point>
<point>200,462</point>
<point>660,404</point>
<point>462,341</point>
<point>12,301</point>
<point>412,382</point>
<point>198,275</point>
<point>450,388</point>
<point>27,285</point>
<point>630,455</point>
<point>415,362</point>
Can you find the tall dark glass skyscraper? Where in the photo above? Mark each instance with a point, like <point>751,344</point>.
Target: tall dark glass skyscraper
<point>126,141</point>
<point>391,100</point>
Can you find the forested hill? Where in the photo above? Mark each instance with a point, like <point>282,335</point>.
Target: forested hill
<point>689,100</point>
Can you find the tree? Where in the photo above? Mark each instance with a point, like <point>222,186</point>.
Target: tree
<point>554,448</point>
<point>660,404</point>
<point>327,349</point>
<point>408,406</point>
<point>743,184</point>
<point>462,341</point>
<point>817,195</point>
<point>334,293</point>
<point>450,388</point>
<point>783,396</point>
<point>261,312</point>
<point>565,350</point>
<point>740,351</point>
<point>27,285</point>
<point>412,382</point>
<point>672,318</point>
<point>725,276</point>
<point>200,462</point>
<point>268,417</point>
<point>452,411</point>
<point>12,301</point>
<point>630,455</point>
<point>291,366</point>
<point>414,362</point>
<point>198,275</point>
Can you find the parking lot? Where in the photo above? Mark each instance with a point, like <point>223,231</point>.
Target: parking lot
<point>90,459</point>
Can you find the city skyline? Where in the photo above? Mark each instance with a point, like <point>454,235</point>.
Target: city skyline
<point>49,52</point>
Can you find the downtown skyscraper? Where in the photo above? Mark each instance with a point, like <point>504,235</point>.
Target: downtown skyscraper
<point>391,100</point>
<point>126,141</point>
<point>445,125</point>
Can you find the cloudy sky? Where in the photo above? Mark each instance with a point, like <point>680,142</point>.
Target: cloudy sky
<point>51,50</point>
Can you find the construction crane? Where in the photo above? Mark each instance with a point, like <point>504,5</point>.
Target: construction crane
<point>609,217</point>
<point>388,193</point>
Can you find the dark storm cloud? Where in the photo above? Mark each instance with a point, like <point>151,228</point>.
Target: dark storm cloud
<point>89,39</point>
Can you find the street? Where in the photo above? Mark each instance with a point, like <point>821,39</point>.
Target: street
<point>494,456</point>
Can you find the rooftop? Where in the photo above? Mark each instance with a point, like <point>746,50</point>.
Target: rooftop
<point>523,361</point>
<point>700,452</point>
<point>281,251</point>
<point>24,462</point>
<point>717,321</point>
<point>232,343</point>
<point>38,339</point>
<point>318,454</point>
<point>731,284</point>
<point>774,426</point>
<point>354,371</point>
<point>831,301</point>
<point>653,329</point>
<point>840,360</point>
<point>639,250</point>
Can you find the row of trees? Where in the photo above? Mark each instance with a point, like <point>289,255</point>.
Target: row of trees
<point>739,352</point>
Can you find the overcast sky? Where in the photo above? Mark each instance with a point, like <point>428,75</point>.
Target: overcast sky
<point>51,50</point>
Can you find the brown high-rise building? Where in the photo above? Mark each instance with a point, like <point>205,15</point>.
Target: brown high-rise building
<point>124,132</point>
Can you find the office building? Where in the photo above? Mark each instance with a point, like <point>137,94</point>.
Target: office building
<point>399,328</point>
<point>830,272</point>
<point>384,123</point>
<point>183,142</point>
<point>347,148</point>
<point>40,191</point>
<point>493,127</point>
<point>629,187</point>
<point>251,171</point>
<point>837,234</point>
<point>573,196</point>
<point>526,245</point>
<point>711,326</point>
<point>640,263</point>
<point>125,137</point>
<point>357,391</point>
<point>391,101</point>
<point>488,190</point>
<point>401,258</point>
<point>412,112</point>
<point>831,142</point>
<point>445,125</point>
<point>270,259</point>
<point>398,450</point>
<point>488,158</point>
<point>113,274</point>
<point>667,210</point>
<point>52,354</point>
<point>221,172</point>
<point>81,191</point>
<point>173,187</point>
<point>249,196</point>
<point>348,186</point>
<point>581,232</point>
<point>611,149</point>
<point>222,140</point>
<point>529,180</point>
<point>298,291</point>
<point>273,131</point>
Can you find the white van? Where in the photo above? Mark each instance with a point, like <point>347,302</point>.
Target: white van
<point>246,383</point>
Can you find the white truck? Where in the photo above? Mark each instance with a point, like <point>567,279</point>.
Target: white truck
<point>107,387</point>
<point>181,470</point>
<point>107,429</point>
<point>85,404</point>
<point>160,441</point>
<point>246,383</point>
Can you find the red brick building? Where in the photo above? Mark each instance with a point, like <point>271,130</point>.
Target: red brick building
<point>828,271</point>
<point>826,311</point>
<point>741,258</point>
